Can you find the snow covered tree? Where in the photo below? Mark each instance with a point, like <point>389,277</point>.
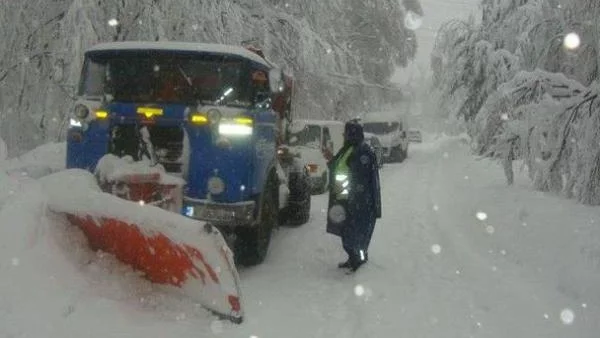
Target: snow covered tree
<point>340,52</point>
<point>529,98</point>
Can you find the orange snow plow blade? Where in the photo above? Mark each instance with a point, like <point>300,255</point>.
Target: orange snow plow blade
<point>168,248</point>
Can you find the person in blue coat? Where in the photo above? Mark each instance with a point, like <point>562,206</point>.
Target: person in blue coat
<point>354,195</point>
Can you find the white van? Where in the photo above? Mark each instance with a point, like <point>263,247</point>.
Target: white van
<point>391,130</point>
<point>317,141</point>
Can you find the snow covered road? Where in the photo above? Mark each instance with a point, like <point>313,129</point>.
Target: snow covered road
<point>457,254</point>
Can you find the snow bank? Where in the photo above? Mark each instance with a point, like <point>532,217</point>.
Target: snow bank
<point>75,192</point>
<point>53,285</point>
<point>41,161</point>
<point>51,278</point>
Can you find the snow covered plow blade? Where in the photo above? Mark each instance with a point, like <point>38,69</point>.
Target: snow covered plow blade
<point>129,217</point>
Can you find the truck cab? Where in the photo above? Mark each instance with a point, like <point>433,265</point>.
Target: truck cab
<point>206,113</point>
<point>390,128</point>
<point>317,141</point>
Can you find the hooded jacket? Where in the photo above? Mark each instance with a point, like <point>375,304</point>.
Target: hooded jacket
<point>363,204</point>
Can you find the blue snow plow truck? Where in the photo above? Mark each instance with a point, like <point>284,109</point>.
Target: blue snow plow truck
<point>214,115</point>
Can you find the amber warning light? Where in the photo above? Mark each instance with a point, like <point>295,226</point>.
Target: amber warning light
<point>149,112</point>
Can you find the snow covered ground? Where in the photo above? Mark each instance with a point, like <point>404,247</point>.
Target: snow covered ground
<point>457,254</point>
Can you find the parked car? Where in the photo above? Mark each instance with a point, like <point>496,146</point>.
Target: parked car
<point>391,130</point>
<point>414,136</point>
<point>374,142</point>
<point>317,141</point>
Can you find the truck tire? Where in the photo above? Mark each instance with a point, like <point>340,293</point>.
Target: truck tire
<point>397,154</point>
<point>252,243</point>
<point>297,212</point>
<point>322,188</point>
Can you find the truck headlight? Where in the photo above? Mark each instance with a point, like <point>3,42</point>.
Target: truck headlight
<point>74,123</point>
<point>81,111</point>
<point>215,185</point>
<point>239,126</point>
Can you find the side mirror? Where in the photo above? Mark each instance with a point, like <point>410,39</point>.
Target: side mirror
<point>276,80</point>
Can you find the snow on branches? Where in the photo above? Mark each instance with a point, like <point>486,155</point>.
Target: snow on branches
<point>523,95</point>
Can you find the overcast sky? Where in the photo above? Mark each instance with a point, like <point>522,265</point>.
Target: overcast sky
<point>436,13</point>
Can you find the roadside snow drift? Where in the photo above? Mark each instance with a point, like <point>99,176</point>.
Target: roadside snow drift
<point>169,248</point>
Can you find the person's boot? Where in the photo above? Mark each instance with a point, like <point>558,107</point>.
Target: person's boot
<point>354,266</point>
<point>345,265</point>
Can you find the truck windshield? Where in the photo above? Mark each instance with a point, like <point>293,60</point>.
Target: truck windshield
<point>310,136</point>
<point>166,76</point>
<point>380,128</point>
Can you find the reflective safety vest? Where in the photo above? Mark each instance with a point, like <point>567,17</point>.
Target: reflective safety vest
<point>342,175</point>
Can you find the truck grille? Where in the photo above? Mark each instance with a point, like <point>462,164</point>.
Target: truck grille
<point>165,145</point>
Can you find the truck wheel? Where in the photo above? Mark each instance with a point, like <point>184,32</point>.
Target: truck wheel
<point>297,211</point>
<point>322,188</point>
<point>252,243</point>
<point>397,155</point>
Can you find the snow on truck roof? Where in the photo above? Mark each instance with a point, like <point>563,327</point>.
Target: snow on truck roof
<point>181,46</point>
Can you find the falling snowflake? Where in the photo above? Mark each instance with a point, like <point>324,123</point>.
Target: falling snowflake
<point>458,272</point>
<point>15,261</point>
<point>412,20</point>
<point>435,207</point>
<point>572,41</point>
<point>503,252</point>
<point>142,203</point>
<point>490,229</point>
<point>466,177</point>
<point>494,268</point>
<point>567,316</point>
<point>359,290</point>
<point>482,216</point>
<point>446,155</point>
<point>546,316</point>
<point>584,305</point>
<point>113,22</point>
<point>436,249</point>
<point>504,117</point>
